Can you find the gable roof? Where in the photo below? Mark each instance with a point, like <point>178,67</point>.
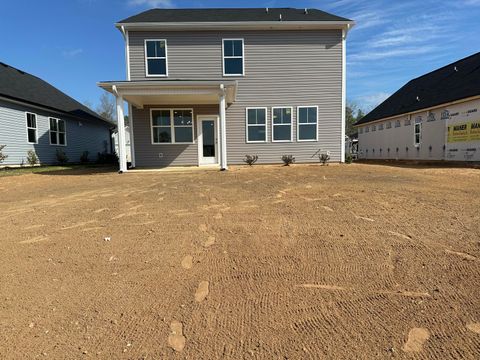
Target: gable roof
<point>231,15</point>
<point>456,81</point>
<point>20,86</point>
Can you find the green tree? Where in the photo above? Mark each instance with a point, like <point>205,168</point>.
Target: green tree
<point>352,114</point>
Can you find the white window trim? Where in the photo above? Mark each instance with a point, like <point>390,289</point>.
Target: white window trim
<point>247,125</point>
<point>415,133</point>
<point>298,123</point>
<point>57,132</point>
<point>233,57</point>
<point>35,128</point>
<point>172,127</point>
<point>146,58</point>
<point>291,124</point>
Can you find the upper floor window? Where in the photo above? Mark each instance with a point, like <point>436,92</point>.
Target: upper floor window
<point>307,123</point>
<point>156,57</point>
<point>57,132</point>
<point>172,126</point>
<point>31,128</point>
<point>233,62</point>
<point>256,124</point>
<point>282,124</point>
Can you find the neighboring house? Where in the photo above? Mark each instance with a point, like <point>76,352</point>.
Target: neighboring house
<point>127,143</point>
<point>433,117</point>
<point>36,116</point>
<point>208,86</point>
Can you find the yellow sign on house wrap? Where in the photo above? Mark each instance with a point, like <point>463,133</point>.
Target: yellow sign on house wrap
<point>461,132</point>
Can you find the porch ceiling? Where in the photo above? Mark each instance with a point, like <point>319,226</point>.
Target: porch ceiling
<point>171,92</point>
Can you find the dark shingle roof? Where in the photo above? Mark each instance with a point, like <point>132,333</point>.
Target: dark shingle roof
<point>230,15</point>
<point>456,81</point>
<point>18,85</point>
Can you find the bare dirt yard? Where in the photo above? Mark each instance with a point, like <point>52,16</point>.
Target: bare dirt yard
<point>302,262</point>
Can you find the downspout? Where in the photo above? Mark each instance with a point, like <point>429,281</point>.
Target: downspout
<point>344,95</point>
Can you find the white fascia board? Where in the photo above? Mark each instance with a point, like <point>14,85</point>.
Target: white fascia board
<point>237,25</point>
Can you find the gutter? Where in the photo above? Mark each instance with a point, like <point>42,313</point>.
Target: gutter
<point>236,25</point>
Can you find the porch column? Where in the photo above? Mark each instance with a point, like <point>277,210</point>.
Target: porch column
<point>223,130</point>
<point>122,153</point>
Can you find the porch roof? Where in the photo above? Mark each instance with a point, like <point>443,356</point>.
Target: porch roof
<point>172,92</point>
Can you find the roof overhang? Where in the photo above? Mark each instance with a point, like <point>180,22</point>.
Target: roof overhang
<point>172,92</point>
<point>236,25</point>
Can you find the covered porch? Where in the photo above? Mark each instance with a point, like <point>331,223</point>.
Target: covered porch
<point>169,107</point>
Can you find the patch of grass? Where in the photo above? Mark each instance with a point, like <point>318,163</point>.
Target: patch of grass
<point>15,171</point>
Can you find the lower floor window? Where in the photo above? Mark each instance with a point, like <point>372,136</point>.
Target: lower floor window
<point>174,126</point>
<point>256,124</point>
<point>57,132</point>
<point>307,119</point>
<point>418,133</point>
<point>32,128</point>
<point>282,124</point>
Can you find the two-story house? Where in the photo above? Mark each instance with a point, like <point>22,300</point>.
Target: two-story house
<point>208,86</point>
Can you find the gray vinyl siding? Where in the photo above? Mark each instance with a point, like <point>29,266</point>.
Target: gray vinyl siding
<point>159,155</point>
<point>282,68</point>
<point>81,135</point>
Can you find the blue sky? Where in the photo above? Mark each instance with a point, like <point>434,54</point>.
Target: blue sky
<point>73,44</point>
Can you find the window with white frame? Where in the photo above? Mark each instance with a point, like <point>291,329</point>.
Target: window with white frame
<point>282,124</point>
<point>367,129</point>
<point>418,132</point>
<point>360,130</point>
<point>58,134</point>
<point>397,123</point>
<point>389,125</point>
<point>256,119</point>
<point>156,57</point>
<point>374,127</point>
<point>380,126</point>
<point>31,128</point>
<point>307,123</point>
<point>233,62</point>
<point>172,126</point>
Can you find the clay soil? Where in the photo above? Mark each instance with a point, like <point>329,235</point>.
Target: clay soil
<point>302,262</point>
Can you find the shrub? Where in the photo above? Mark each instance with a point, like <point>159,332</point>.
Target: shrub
<point>61,156</point>
<point>32,158</point>
<point>288,159</point>
<point>250,159</point>
<point>84,158</point>
<point>348,158</point>
<point>107,158</point>
<point>324,157</point>
<point>3,157</point>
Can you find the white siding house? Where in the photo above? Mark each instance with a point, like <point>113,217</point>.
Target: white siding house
<point>433,117</point>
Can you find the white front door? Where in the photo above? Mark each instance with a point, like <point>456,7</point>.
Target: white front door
<point>207,140</point>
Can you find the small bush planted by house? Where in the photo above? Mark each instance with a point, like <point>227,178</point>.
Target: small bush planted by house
<point>107,158</point>
<point>324,157</point>
<point>84,157</point>
<point>32,158</point>
<point>61,156</point>
<point>3,156</point>
<point>288,159</point>
<point>250,159</point>
<point>348,158</point>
